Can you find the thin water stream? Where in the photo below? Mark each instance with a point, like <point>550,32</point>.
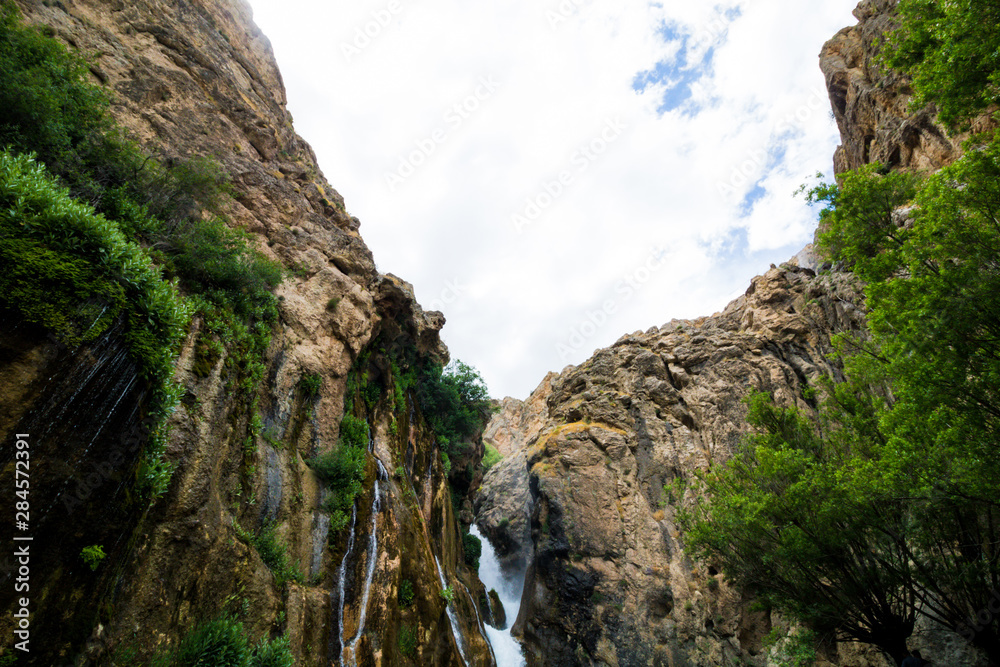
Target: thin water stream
<point>452,618</point>
<point>349,654</point>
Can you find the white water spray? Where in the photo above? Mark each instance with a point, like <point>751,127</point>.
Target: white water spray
<point>509,586</point>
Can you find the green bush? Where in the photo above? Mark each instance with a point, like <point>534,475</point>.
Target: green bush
<point>213,259</point>
<point>272,653</point>
<point>354,432</point>
<point>343,470</point>
<point>310,384</point>
<point>406,593</point>
<point>340,467</point>
<point>69,232</point>
<point>272,551</point>
<point>224,643</point>
<point>454,400</point>
<point>491,456</point>
<point>93,555</point>
<point>407,641</point>
<point>950,51</point>
<point>473,549</point>
<point>49,107</point>
<point>46,105</point>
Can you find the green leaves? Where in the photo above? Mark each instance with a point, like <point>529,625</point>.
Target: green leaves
<point>883,503</point>
<point>224,643</point>
<point>798,524</point>
<point>454,401</point>
<point>343,469</point>
<point>860,226</point>
<point>73,271</point>
<point>950,49</point>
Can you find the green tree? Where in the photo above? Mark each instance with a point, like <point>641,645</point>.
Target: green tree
<point>796,520</point>
<point>454,401</point>
<point>950,49</point>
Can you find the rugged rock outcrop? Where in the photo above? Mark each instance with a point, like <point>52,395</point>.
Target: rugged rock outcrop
<point>609,582</point>
<point>871,103</point>
<point>197,78</point>
<point>503,503</point>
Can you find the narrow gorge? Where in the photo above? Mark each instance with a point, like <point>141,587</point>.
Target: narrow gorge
<point>308,495</point>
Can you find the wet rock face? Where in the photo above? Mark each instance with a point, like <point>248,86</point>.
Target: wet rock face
<point>503,502</point>
<point>503,511</point>
<point>609,582</point>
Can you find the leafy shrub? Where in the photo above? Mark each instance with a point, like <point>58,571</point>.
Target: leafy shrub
<point>406,594</point>
<point>407,641</point>
<point>473,549</point>
<point>454,401</point>
<point>797,650</point>
<point>491,456</point>
<point>272,551</point>
<point>310,384</point>
<point>950,51</point>
<point>272,653</point>
<point>354,432</point>
<point>74,264</point>
<point>447,594</point>
<point>213,259</point>
<point>224,643</point>
<point>343,470</point>
<point>93,555</point>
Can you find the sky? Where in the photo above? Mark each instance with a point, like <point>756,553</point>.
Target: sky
<point>554,174</point>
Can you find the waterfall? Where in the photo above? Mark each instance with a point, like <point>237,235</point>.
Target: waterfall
<point>509,586</point>
<point>342,582</point>
<point>479,621</point>
<point>452,619</point>
<point>349,650</point>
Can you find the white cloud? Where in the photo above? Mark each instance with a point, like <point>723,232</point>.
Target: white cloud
<point>676,181</point>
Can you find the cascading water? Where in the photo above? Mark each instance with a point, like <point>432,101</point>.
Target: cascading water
<point>342,585</point>
<point>452,618</point>
<point>479,621</point>
<point>349,653</point>
<point>509,586</point>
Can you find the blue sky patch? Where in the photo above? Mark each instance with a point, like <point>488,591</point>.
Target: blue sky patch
<point>678,75</point>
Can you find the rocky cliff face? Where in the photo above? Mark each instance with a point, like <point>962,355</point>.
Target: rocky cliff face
<point>609,582</point>
<point>197,78</point>
<point>871,103</point>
